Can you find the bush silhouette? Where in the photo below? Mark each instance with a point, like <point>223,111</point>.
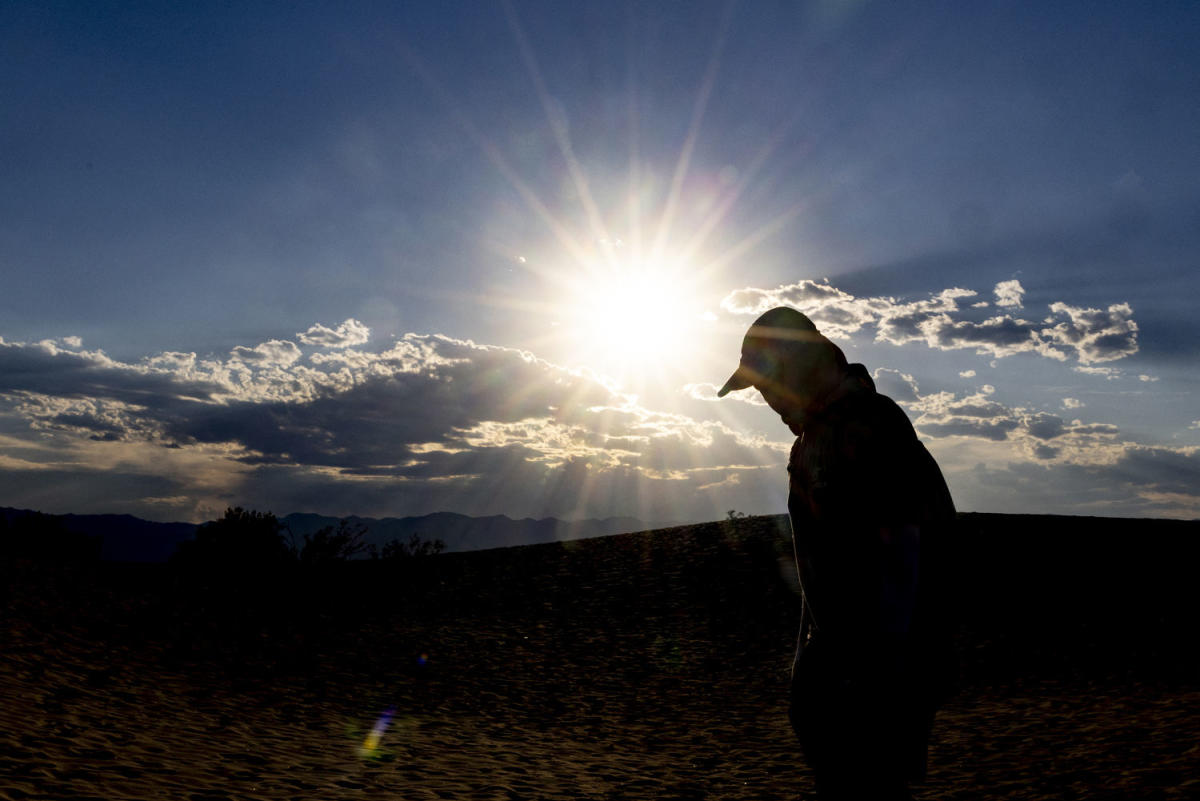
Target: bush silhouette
<point>241,542</point>
<point>246,541</point>
<point>330,544</point>
<point>416,546</point>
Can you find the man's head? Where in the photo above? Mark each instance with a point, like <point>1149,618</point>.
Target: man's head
<point>787,359</point>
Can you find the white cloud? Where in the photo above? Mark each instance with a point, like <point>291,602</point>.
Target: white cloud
<point>1109,373</point>
<point>272,353</point>
<point>1096,335</point>
<point>1009,293</point>
<point>1148,379</point>
<point>429,423</point>
<point>708,392</point>
<point>1072,403</point>
<point>349,333</point>
<point>835,312</point>
<point>967,374</point>
<point>900,387</point>
<point>1089,335</point>
<point>1032,435</point>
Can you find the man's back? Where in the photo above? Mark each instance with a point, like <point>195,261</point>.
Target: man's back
<point>868,507</point>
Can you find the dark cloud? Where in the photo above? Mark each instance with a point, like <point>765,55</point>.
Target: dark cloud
<point>43,368</point>
<point>98,426</point>
<point>114,491</point>
<point>998,336</point>
<point>1139,481</point>
<point>432,423</point>
<point>1046,426</point>
<point>388,407</point>
<point>997,430</point>
<point>898,386</point>
<point>1045,452</point>
<point>430,420</point>
<point>1160,470</point>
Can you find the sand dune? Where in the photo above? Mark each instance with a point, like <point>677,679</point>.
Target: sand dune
<point>632,667</point>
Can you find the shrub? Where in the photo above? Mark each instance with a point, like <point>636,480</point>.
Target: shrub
<point>330,544</point>
<point>416,546</point>
<point>241,541</point>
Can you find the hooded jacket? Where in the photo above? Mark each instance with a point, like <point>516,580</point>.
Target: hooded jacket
<point>870,514</point>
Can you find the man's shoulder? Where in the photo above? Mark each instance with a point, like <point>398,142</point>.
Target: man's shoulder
<point>875,411</point>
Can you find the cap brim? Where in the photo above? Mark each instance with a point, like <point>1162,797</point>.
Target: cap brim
<point>739,380</point>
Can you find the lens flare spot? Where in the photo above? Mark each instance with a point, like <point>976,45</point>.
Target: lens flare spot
<point>371,743</point>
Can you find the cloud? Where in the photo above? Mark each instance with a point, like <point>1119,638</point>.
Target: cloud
<point>1032,434</point>
<point>900,387</point>
<point>1109,373</point>
<point>1072,403</point>
<point>940,322</point>
<point>1000,458</point>
<point>1009,293</point>
<point>1096,335</point>
<point>273,353</point>
<point>967,374</point>
<point>346,335</point>
<point>1045,426</point>
<point>1140,481</point>
<point>835,312</point>
<point>708,392</point>
<point>44,368</point>
<point>429,423</point>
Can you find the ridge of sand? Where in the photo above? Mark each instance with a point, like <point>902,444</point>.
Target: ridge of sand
<point>643,666</point>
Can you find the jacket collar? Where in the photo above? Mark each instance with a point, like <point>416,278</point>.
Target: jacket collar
<point>854,382</point>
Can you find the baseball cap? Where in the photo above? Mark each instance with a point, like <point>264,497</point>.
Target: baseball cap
<point>767,342</point>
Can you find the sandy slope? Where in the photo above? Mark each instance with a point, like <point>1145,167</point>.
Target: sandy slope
<point>635,667</point>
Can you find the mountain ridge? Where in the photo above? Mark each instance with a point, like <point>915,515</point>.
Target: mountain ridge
<point>127,538</point>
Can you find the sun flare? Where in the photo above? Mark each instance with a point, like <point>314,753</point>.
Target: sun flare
<point>632,315</point>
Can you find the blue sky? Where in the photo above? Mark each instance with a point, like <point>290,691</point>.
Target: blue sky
<point>496,257</point>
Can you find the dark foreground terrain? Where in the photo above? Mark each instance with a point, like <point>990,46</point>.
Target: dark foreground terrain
<point>641,666</point>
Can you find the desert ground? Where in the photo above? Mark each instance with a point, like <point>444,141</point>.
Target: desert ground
<point>641,666</point>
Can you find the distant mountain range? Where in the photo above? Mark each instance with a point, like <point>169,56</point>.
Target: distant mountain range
<point>124,538</point>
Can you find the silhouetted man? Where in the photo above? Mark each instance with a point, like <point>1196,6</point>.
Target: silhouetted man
<point>870,514</point>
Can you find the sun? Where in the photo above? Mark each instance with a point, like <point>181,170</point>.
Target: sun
<point>629,315</point>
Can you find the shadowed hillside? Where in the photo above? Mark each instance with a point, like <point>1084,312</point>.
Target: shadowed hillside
<point>648,665</point>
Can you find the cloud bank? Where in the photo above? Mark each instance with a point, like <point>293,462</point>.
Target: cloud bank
<point>1088,336</point>
<point>334,423</point>
<point>425,423</point>
<point>1003,455</point>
